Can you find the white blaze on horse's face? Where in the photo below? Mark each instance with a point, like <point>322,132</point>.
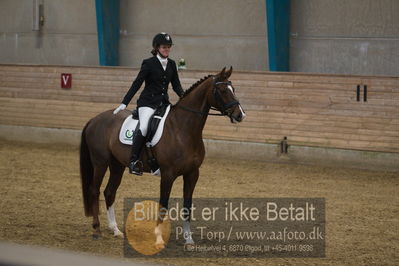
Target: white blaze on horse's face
<point>241,115</point>
<point>231,88</point>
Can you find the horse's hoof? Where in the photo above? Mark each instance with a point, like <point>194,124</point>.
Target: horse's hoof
<point>189,242</point>
<point>160,246</point>
<point>189,246</point>
<point>96,236</point>
<point>118,235</point>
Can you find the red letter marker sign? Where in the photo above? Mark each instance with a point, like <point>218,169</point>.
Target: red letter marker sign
<point>66,81</point>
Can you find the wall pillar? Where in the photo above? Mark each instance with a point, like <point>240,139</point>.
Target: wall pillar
<point>278,32</point>
<point>107,13</point>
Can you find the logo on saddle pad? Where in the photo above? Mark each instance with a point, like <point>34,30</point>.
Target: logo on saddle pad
<point>130,124</point>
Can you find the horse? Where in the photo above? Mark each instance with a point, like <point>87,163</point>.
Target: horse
<point>180,151</point>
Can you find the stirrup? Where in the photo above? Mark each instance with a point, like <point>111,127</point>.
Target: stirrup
<point>136,168</point>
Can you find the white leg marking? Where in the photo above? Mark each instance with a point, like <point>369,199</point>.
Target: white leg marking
<point>187,234</point>
<point>112,221</point>
<point>159,243</point>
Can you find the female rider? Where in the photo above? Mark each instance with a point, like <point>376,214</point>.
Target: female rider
<point>157,72</point>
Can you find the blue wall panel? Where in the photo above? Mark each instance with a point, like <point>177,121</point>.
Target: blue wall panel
<point>278,32</point>
<point>107,12</point>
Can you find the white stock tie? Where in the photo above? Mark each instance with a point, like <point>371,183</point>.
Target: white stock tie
<point>164,61</point>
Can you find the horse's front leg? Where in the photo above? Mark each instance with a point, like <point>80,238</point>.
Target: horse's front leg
<point>190,180</point>
<point>166,187</point>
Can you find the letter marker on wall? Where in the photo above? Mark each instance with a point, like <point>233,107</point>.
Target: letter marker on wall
<point>66,81</point>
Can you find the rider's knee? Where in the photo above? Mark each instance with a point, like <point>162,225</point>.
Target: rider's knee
<point>143,130</point>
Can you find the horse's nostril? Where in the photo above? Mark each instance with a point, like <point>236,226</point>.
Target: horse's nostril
<point>238,118</point>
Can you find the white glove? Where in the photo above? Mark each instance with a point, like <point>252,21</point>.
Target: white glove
<point>120,108</point>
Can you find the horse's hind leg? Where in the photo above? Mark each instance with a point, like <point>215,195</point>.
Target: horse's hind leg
<point>116,173</point>
<point>99,172</point>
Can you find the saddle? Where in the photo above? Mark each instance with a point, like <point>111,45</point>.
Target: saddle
<point>154,132</point>
<point>155,126</point>
<point>155,120</point>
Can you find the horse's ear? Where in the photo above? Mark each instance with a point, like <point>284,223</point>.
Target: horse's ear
<point>223,73</point>
<point>228,73</point>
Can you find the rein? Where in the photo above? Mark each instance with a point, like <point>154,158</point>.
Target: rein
<point>219,101</point>
<point>199,112</point>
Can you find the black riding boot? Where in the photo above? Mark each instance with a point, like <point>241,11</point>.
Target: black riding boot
<point>136,166</point>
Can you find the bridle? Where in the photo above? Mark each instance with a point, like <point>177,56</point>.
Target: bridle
<point>223,107</point>
<point>219,101</point>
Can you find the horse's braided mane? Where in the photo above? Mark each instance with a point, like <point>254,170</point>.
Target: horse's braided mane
<point>195,85</point>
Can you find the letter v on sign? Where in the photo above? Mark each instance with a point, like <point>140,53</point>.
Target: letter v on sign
<point>66,81</point>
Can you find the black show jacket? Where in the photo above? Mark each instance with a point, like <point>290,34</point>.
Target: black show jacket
<point>156,80</point>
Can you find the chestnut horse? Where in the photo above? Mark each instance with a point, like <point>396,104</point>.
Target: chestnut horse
<point>180,151</point>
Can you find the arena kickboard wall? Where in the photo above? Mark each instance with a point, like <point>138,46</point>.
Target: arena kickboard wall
<point>308,109</point>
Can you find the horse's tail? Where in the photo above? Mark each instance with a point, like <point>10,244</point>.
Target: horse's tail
<point>86,173</point>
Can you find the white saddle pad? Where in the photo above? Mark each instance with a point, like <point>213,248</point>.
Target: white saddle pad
<point>127,130</point>
<point>129,125</point>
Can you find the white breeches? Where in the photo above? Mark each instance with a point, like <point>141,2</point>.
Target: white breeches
<point>145,114</point>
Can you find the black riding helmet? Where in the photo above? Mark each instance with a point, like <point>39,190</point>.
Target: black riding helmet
<point>161,39</point>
